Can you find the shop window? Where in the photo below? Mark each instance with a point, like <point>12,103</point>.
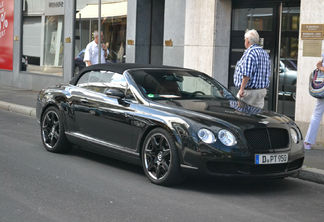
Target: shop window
<point>42,45</point>
<point>113,26</point>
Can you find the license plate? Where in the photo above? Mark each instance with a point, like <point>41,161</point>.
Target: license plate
<point>271,158</point>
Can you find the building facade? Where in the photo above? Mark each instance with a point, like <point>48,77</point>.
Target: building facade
<point>43,41</point>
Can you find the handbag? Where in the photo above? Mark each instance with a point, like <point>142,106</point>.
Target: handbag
<point>316,84</point>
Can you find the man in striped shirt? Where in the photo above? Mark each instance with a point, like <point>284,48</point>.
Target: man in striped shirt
<point>252,71</point>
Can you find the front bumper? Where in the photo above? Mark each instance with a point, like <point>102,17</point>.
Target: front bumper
<point>240,162</point>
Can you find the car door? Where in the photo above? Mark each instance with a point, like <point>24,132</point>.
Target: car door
<point>103,118</point>
<point>84,101</point>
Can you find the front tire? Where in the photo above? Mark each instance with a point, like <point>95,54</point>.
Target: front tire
<point>160,158</point>
<point>52,131</point>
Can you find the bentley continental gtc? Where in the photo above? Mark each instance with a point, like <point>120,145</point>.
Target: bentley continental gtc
<point>171,121</point>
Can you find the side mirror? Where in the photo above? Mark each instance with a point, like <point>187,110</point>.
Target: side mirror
<point>281,69</point>
<point>117,93</point>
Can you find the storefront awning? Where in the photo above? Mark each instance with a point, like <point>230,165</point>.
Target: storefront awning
<point>118,9</point>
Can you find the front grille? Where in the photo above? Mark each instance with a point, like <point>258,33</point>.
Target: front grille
<point>267,138</point>
<point>245,168</point>
<point>279,138</point>
<point>264,169</point>
<point>228,167</point>
<point>258,139</point>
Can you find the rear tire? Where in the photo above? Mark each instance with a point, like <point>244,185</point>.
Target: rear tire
<point>52,131</point>
<point>160,159</point>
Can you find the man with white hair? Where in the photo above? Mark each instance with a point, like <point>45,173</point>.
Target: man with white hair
<point>91,53</point>
<point>252,71</point>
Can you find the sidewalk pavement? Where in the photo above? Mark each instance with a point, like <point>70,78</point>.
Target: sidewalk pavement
<point>24,102</point>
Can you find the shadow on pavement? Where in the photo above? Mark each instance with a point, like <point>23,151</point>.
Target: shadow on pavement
<point>222,185</point>
<point>212,185</point>
<point>76,151</point>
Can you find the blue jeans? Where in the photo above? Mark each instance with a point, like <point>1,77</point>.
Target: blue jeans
<point>315,122</point>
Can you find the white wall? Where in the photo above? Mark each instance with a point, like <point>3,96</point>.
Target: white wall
<point>199,35</point>
<point>34,7</point>
<point>174,29</point>
<point>311,13</point>
<point>131,30</point>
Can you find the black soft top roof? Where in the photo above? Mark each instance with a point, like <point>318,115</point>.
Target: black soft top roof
<point>119,68</point>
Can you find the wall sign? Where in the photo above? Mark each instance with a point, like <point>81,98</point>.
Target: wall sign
<point>312,48</point>
<point>6,34</point>
<point>54,7</point>
<point>312,31</point>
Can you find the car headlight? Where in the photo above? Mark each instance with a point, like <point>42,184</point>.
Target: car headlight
<point>294,135</point>
<point>206,136</point>
<point>226,137</point>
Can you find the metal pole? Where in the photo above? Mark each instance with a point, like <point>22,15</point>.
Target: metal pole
<point>99,31</point>
<point>80,32</point>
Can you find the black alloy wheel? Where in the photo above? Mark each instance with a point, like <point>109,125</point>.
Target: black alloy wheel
<point>52,131</point>
<point>159,158</point>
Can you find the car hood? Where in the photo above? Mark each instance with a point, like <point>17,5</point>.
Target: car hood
<point>233,113</point>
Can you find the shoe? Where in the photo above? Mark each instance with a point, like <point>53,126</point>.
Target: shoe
<point>307,146</point>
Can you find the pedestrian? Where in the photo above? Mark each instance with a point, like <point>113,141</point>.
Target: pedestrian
<point>252,71</point>
<point>311,135</point>
<point>91,53</point>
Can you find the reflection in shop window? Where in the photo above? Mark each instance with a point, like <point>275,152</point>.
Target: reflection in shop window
<point>288,61</point>
<point>252,18</point>
<point>113,26</point>
<point>53,54</point>
<point>42,47</point>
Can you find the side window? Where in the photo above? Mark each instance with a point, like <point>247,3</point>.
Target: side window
<point>83,81</point>
<point>100,81</point>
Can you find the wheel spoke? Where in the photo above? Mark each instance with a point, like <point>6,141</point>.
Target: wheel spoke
<point>47,118</point>
<point>52,142</point>
<point>158,172</point>
<point>51,117</point>
<point>150,154</point>
<point>154,143</point>
<point>151,166</point>
<point>56,135</point>
<point>56,123</point>
<point>162,141</point>
<point>165,167</point>
<point>47,129</point>
<point>47,121</point>
<point>46,137</point>
<point>165,153</point>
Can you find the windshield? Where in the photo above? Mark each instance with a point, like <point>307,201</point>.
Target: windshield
<point>175,84</point>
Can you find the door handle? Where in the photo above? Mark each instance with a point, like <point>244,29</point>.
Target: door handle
<point>84,101</point>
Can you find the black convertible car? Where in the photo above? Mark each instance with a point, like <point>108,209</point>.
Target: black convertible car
<point>170,120</point>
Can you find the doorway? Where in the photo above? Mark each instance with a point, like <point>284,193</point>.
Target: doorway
<point>277,23</point>
<point>149,32</point>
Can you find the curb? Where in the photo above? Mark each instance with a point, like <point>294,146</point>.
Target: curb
<point>311,174</point>
<point>11,107</point>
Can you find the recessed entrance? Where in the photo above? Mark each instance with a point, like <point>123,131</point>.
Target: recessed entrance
<point>278,25</point>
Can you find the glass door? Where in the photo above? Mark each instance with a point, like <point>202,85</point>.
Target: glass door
<point>288,61</point>
<point>278,27</point>
<point>262,20</point>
